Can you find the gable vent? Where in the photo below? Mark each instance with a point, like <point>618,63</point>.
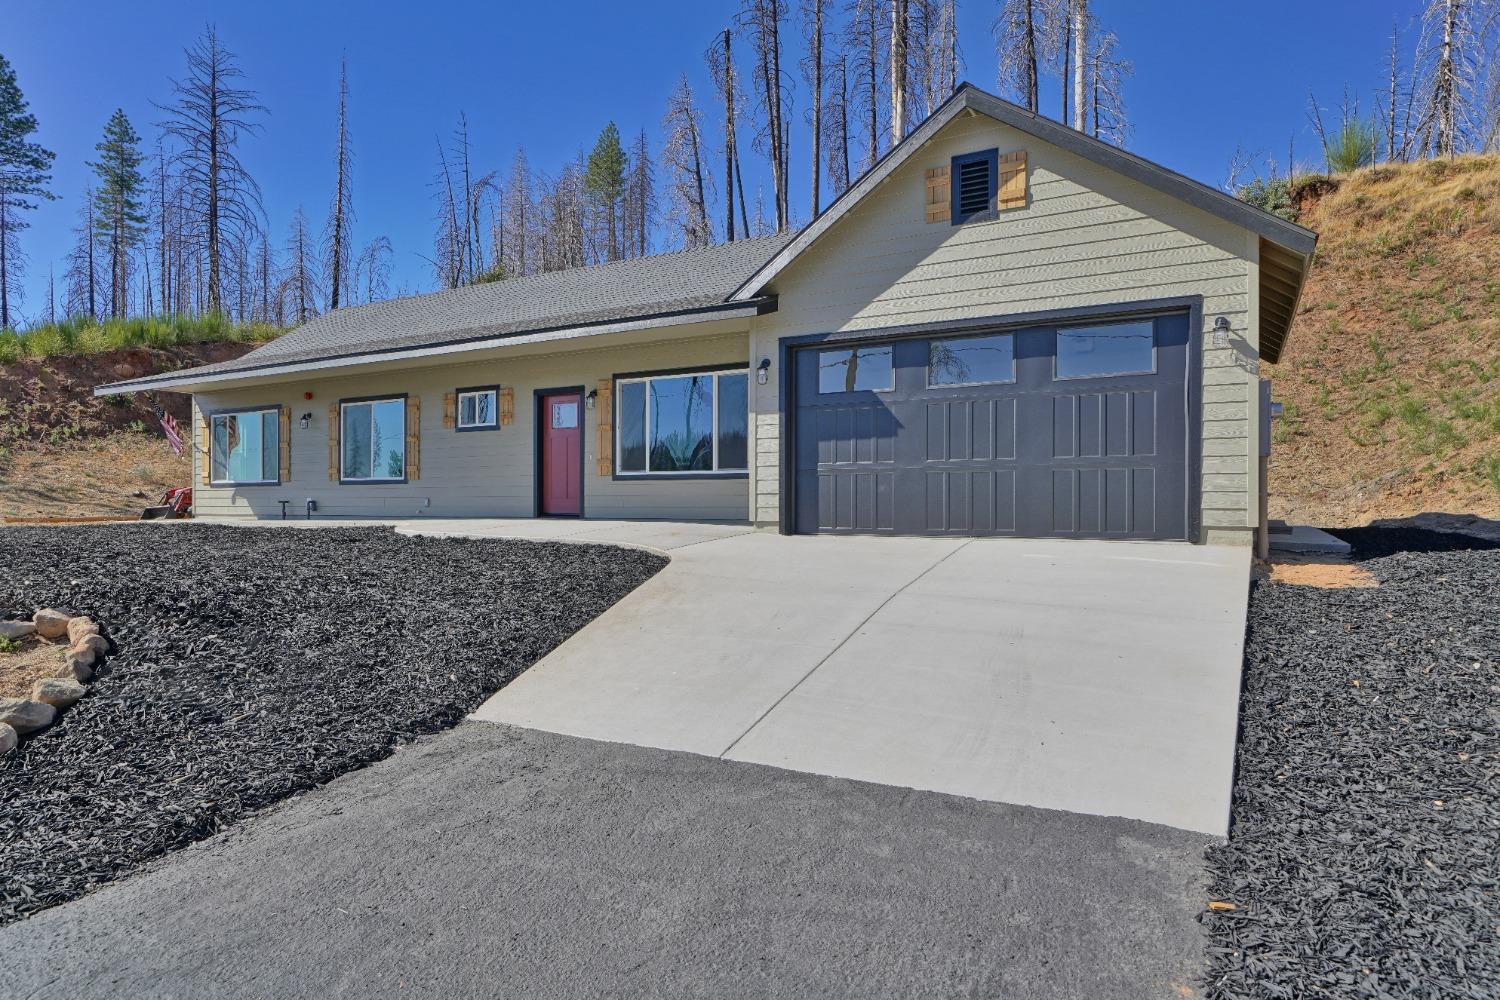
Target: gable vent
<point>974,186</point>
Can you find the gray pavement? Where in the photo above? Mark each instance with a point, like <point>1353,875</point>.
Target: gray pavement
<point>493,861</point>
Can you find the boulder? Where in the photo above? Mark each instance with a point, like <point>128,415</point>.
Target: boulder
<point>81,626</point>
<point>8,739</point>
<point>16,630</point>
<point>95,644</point>
<point>51,623</point>
<point>24,715</point>
<point>79,665</point>
<point>124,370</point>
<point>60,692</point>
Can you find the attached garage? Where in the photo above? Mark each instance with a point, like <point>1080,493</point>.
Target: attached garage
<point>1076,429</point>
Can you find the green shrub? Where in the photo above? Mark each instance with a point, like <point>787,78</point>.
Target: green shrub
<point>84,336</point>
<point>1274,195</point>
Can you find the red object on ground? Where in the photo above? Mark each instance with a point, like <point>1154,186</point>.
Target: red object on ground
<point>562,453</point>
<point>180,499</point>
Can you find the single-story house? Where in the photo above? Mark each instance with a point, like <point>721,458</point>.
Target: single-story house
<point>1005,327</point>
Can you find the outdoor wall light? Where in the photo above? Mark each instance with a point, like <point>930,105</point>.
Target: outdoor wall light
<point>1221,332</point>
<point>588,400</point>
<point>763,371</point>
<point>305,421</point>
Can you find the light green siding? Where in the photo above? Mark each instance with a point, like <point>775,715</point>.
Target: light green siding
<point>1087,237</point>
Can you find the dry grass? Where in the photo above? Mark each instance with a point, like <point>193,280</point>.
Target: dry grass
<point>35,659</point>
<point>94,476</point>
<point>1392,375</point>
<point>1319,571</point>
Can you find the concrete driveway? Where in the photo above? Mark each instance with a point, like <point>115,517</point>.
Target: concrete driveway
<point>1094,677</point>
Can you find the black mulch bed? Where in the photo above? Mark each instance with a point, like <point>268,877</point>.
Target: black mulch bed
<point>255,663</point>
<point>1365,848</point>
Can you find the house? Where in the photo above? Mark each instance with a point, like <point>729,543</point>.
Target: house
<point>1005,327</point>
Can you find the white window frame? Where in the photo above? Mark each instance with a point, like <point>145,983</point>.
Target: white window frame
<point>648,472</point>
<point>344,404</point>
<point>213,437</point>
<point>491,391</point>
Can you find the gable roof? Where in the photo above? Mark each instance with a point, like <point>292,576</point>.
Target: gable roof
<point>1295,242</point>
<point>682,286</point>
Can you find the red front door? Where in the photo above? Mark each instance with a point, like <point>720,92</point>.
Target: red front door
<point>562,456</point>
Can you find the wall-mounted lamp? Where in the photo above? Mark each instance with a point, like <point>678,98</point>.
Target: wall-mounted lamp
<point>1221,332</point>
<point>589,400</point>
<point>763,371</point>
<point>305,421</point>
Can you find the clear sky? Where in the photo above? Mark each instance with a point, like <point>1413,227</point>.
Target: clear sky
<point>1210,75</point>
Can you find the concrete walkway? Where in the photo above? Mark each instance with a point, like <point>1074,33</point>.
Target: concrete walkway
<point>1093,677</point>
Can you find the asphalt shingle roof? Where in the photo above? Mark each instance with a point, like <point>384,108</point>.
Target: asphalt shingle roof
<point>685,281</point>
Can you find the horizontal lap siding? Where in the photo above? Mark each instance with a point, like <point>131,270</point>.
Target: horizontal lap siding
<point>1087,237</point>
<point>480,473</point>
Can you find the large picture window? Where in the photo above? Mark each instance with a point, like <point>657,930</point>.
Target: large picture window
<point>683,424</point>
<point>373,440</point>
<point>246,447</point>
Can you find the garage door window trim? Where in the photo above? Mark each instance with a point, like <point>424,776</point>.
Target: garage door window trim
<point>641,441</point>
<point>233,437</point>
<point>1064,331</point>
<point>939,344</point>
<point>877,359</point>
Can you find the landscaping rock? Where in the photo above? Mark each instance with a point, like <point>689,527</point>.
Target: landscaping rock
<point>96,645</point>
<point>8,738</point>
<point>59,692</point>
<point>81,626</point>
<point>25,716</point>
<point>255,664</point>
<point>51,623</point>
<point>16,630</point>
<point>79,664</point>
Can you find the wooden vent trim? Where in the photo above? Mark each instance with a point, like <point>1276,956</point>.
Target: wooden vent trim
<point>937,190</point>
<point>604,428</point>
<point>450,410</point>
<point>507,403</point>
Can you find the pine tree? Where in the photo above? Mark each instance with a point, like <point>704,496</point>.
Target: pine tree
<point>604,181</point>
<point>119,216</point>
<point>25,170</point>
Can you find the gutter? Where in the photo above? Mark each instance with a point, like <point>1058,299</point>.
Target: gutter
<point>186,380</point>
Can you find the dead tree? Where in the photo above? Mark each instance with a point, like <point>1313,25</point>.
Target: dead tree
<point>761,20</point>
<point>450,240</point>
<point>682,156</point>
<point>836,141</point>
<point>640,198</point>
<point>1080,32</point>
<point>1107,73</point>
<point>813,17</point>
<point>1458,40</point>
<point>338,234</point>
<point>898,53</point>
<point>518,217</point>
<point>866,40</point>
<point>720,59</point>
<point>209,116</point>
<point>1026,35</point>
<point>300,284</point>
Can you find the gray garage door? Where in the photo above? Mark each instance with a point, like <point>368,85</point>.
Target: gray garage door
<point>1070,431</point>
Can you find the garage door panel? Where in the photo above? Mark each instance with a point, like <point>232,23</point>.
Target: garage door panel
<point>1096,455</point>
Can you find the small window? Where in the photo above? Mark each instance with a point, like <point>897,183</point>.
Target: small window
<point>374,440</point>
<point>564,416</point>
<point>476,409</point>
<point>971,360</point>
<point>1115,349</point>
<point>246,448</point>
<point>974,178</point>
<point>858,369</point>
<point>677,424</point>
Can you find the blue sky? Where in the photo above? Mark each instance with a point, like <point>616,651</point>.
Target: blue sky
<point>1209,76</point>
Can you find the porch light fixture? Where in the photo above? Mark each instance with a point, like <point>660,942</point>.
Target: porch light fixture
<point>588,400</point>
<point>305,421</point>
<point>763,371</point>
<point>1221,332</point>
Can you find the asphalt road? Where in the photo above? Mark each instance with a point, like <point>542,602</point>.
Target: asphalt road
<point>491,861</point>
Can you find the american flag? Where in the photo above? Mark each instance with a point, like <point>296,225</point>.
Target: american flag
<point>168,425</point>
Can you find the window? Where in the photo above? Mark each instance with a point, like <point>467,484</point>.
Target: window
<point>246,447</point>
<point>476,409</point>
<point>973,179</point>
<point>1114,349</point>
<point>374,440</point>
<point>683,424</point>
<point>971,360</point>
<point>858,369</point>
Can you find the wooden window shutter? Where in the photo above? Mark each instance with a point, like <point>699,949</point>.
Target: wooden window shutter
<point>206,453</point>
<point>450,410</point>
<point>604,428</point>
<point>507,406</point>
<point>1012,191</point>
<point>333,441</point>
<point>413,437</point>
<point>285,439</point>
<point>938,207</point>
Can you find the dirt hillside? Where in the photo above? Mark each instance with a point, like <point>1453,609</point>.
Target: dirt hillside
<point>64,451</point>
<point>1391,378</point>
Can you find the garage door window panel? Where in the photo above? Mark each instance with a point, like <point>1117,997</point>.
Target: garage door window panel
<point>1108,350</point>
<point>966,361</point>
<point>856,369</point>
<point>688,424</point>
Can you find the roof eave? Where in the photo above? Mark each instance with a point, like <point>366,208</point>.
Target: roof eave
<point>186,381</point>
